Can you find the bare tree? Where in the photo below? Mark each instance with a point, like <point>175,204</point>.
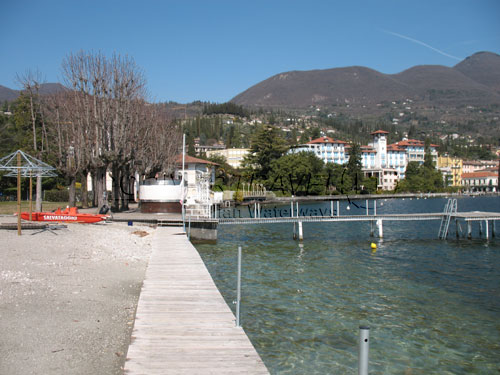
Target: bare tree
<point>114,124</point>
<point>30,82</point>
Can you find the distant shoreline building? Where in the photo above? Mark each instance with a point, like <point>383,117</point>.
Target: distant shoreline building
<point>385,162</point>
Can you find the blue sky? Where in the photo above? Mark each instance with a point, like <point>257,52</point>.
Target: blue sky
<point>213,50</point>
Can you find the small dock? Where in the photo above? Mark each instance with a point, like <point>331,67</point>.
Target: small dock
<point>183,325</point>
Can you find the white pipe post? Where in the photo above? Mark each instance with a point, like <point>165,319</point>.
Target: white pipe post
<point>364,349</point>
<point>338,208</point>
<point>301,232</point>
<point>380,228</point>
<point>375,207</point>
<point>183,183</point>
<point>367,207</point>
<point>469,230</point>
<point>291,209</point>
<point>297,209</point>
<point>238,289</point>
<point>331,208</point>
<point>486,227</point>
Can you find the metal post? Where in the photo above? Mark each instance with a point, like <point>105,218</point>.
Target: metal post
<point>338,208</point>
<point>364,349</point>
<point>375,207</point>
<point>469,230</point>
<point>238,289</point>
<point>183,192</point>
<point>291,209</point>
<point>486,229</point>
<point>18,193</point>
<point>301,233</point>
<point>380,228</point>
<point>297,204</point>
<point>331,208</point>
<point>189,232</point>
<point>31,197</point>
<point>367,207</point>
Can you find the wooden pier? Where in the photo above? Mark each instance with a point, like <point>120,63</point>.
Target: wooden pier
<point>183,325</point>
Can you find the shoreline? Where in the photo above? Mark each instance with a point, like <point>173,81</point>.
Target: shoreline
<point>68,301</point>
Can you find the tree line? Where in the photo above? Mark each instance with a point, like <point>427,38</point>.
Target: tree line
<point>269,163</point>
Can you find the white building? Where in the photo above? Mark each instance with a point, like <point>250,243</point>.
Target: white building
<point>480,181</point>
<point>327,149</point>
<point>378,159</point>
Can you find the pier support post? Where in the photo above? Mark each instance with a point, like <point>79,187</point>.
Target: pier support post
<point>486,228</point>
<point>291,209</point>
<point>380,228</point>
<point>297,207</point>
<point>238,289</point>
<point>338,208</point>
<point>364,349</point>
<point>331,208</point>
<point>469,230</point>
<point>301,233</point>
<point>374,207</point>
<point>367,207</point>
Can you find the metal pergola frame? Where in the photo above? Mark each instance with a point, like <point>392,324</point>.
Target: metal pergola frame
<point>19,164</point>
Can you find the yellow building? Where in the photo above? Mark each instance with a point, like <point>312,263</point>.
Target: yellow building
<point>451,167</point>
<point>234,156</point>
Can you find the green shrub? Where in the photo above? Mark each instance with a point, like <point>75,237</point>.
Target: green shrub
<point>56,195</point>
<point>238,196</point>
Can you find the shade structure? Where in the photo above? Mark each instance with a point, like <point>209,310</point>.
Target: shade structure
<point>29,173</point>
<point>20,164</point>
<point>28,163</point>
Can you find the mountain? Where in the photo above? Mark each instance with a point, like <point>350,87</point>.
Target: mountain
<point>474,81</point>
<point>482,67</point>
<point>7,94</point>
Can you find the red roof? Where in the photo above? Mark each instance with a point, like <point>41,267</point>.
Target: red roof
<point>412,142</point>
<point>479,174</point>
<point>325,140</point>
<point>192,160</point>
<point>395,147</point>
<point>379,132</point>
<point>368,149</point>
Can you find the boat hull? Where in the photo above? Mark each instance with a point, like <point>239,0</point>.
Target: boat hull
<point>62,217</point>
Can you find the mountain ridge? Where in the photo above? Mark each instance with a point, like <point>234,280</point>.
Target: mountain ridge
<point>475,80</point>
<point>8,94</point>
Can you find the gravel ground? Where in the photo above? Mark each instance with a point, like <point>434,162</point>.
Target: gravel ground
<point>67,301</point>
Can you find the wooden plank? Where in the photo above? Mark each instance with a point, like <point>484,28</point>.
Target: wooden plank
<point>183,324</point>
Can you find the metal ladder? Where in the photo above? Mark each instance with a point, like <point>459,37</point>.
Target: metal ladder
<point>449,209</point>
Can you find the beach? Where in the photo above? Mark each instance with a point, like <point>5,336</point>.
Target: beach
<point>68,297</point>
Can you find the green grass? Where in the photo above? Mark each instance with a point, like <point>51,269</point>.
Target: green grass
<point>8,208</point>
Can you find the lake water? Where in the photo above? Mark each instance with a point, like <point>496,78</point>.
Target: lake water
<point>433,306</point>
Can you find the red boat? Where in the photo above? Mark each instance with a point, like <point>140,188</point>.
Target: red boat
<point>70,215</point>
